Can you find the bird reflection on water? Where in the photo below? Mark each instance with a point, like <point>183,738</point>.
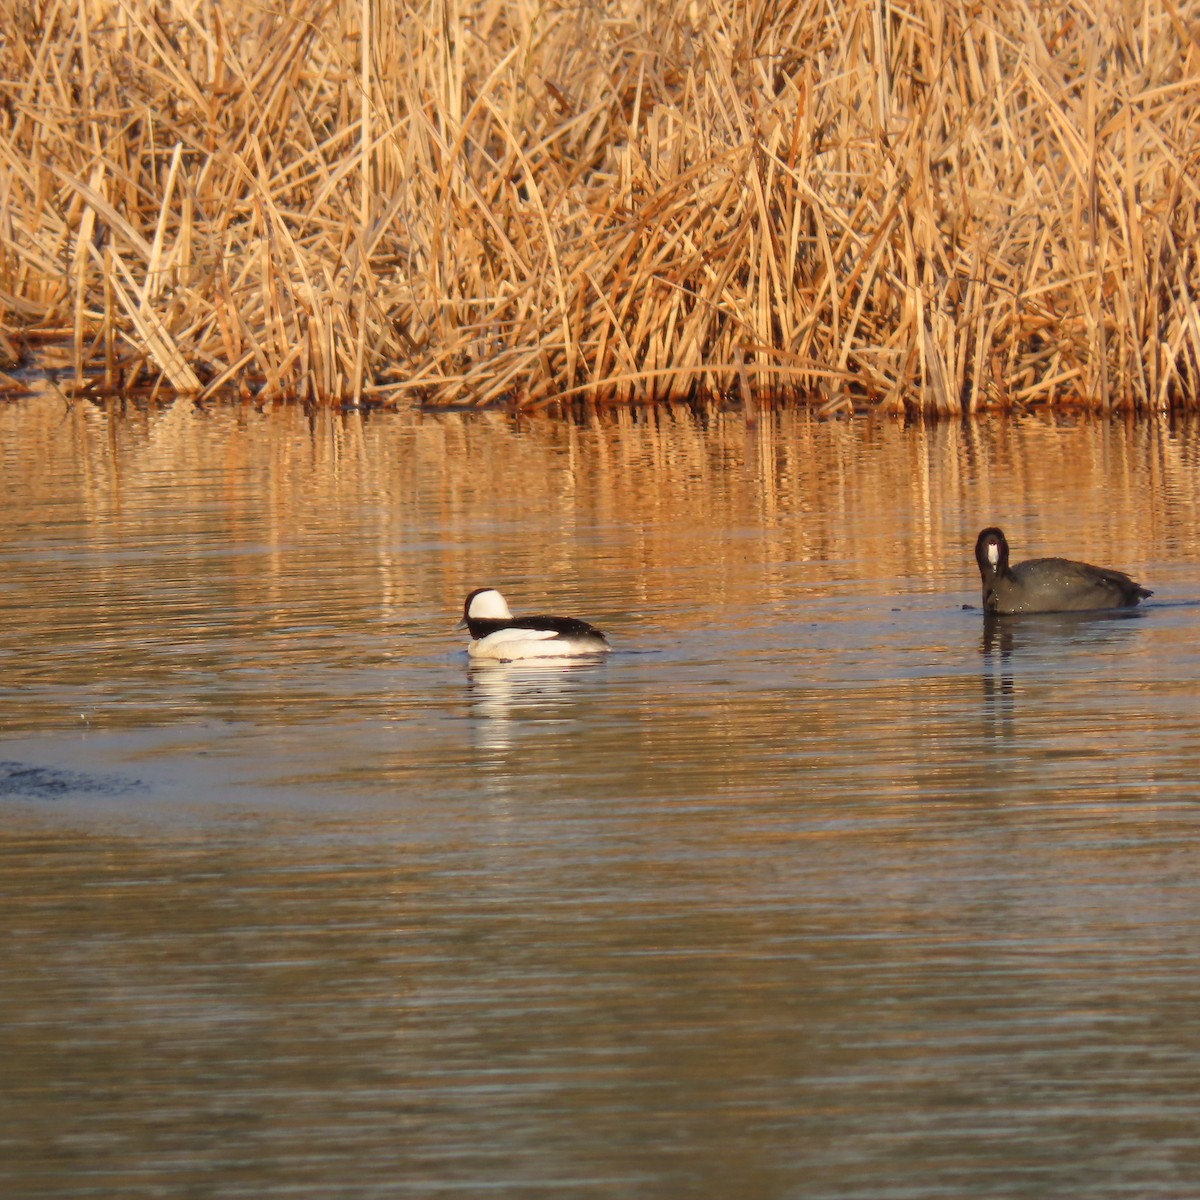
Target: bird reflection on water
<point>1044,643</point>
<point>506,695</point>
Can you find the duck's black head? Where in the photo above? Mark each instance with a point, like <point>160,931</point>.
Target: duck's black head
<point>991,552</point>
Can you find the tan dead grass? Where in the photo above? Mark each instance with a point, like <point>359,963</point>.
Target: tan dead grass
<point>934,205</point>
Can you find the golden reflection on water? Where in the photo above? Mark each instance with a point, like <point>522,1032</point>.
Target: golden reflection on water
<point>207,562</point>
<point>783,502</point>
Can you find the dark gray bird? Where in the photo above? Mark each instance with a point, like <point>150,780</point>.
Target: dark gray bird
<point>1044,585</point>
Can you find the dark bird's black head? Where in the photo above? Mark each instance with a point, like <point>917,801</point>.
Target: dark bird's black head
<point>991,552</point>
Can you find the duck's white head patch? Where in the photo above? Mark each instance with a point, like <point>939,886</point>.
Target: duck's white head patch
<point>489,605</point>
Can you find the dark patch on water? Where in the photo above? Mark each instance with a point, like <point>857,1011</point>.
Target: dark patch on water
<point>22,781</point>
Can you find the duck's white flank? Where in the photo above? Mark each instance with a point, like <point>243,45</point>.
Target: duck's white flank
<point>509,645</point>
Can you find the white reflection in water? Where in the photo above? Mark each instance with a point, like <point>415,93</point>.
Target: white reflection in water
<point>502,695</point>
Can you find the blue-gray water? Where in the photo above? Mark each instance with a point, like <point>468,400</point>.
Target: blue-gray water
<point>816,888</point>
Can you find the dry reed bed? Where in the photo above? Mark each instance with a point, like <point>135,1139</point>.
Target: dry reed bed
<point>934,205</point>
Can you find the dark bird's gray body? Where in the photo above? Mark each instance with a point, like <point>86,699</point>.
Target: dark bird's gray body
<point>1044,585</point>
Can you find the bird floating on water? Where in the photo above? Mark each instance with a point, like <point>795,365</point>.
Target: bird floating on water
<point>1045,585</point>
<point>497,634</point>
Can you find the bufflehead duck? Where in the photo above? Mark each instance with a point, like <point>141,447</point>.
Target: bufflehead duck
<point>1044,585</point>
<point>497,634</point>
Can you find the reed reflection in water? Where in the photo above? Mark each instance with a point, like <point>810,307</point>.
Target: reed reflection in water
<point>819,886</point>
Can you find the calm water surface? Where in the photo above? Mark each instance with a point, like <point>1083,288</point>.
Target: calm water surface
<point>816,888</point>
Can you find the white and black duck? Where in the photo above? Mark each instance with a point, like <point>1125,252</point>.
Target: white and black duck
<point>497,634</point>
